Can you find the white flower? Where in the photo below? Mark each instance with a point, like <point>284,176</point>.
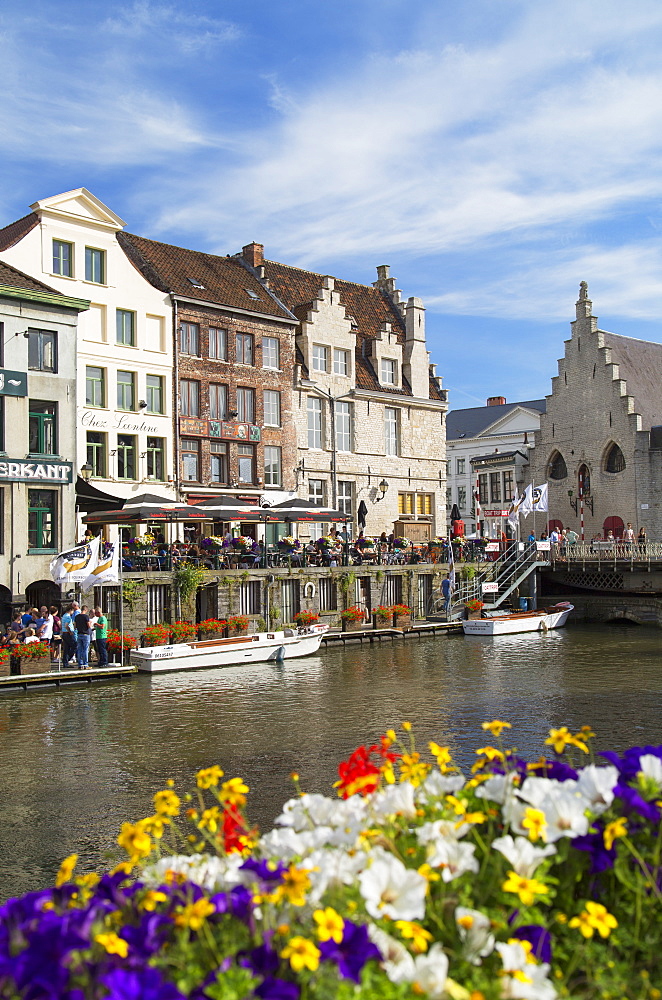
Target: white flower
<point>524,856</point>
<point>286,843</point>
<point>523,978</point>
<point>437,784</point>
<point>454,857</point>
<point>332,868</point>
<point>391,890</point>
<point>651,766</point>
<point>397,962</point>
<point>565,816</point>
<point>395,800</point>
<point>536,790</point>
<point>475,932</point>
<point>431,972</point>
<point>499,788</point>
<point>207,871</point>
<point>444,829</point>
<point>596,786</point>
<point>308,811</point>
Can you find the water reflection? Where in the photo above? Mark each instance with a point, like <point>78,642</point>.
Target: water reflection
<point>77,762</point>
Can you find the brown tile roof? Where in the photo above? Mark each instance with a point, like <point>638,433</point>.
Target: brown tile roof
<point>640,364</point>
<point>15,231</point>
<point>17,279</point>
<point>226,280</point>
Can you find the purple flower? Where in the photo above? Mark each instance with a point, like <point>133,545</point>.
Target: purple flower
<point>594,845</point>
<point>129,984</point>
<point>353,952</point>
<point>539,938</point>
<point>277,989</point>
<point>628,765</point>
<point>264,870</point>
<point>633,802</point>
<point>263,960</point>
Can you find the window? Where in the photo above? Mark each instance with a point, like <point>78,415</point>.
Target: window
<point>584,481</point>
<point>316,492</point>
<point>218,344</point>
<point>246,405</point>
<point>96,453</point>
<point>158,603</point>
<point>95,386</point>
<point>557,466</point>
<point>126,456</point>
<point>63,258</point>
<point>314,422</point>
<point>340,362</point>
<point>345,491</point>
<point>189,338</point>
<point>343,426</point>
<point>509,485</point>
<point>424,596</point>
<point>388,371</point>
<point>244,348</point>
<point>189,398</point>
<point>219,462</point>
<point>249,597</point>
<point>424,503</point>
<point>449,497</point>
<point>155,458</point>
<point>405,503</point>
<point>320,358</point>
<point>272,466</point>
<point>459,466</point>
<point>495,487</point>
<point>615,461</point>
<point>2,426</point>
<point>155,397</point>
<point>42,428</point>
<point>42,351</point>
<point>126,390</point>
<point>190,460</point>
<point>125,324</point>
<point>289,599</point>
<point>95,265</point>
<point>218,401</point>
<point>328,595</point>
<point>416,503</point>
<point>109,599</point>
<point>270,352</point>
<point>271,408</point>
<point>482,487</point>
<point>391,430</point>
<point>462,497</point>
<point>246,463</point>
<point>42,520</point>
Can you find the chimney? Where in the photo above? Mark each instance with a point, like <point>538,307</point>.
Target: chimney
<point>253,254</point>
<point>496,400</point>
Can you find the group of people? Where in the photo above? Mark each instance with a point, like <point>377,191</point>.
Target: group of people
<point>69,635</point>
<point>567,536</point>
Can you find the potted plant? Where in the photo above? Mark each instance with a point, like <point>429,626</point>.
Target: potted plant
<point>5,663</point>
<point>401,616</point>
<point>156,635</point>
<point>182,632</point>
<point>305,618</point>
<point>238,624</point>
<point>474,608</point>
<point>212,628</point>
<point>353,619</point>
<point>382,616</point>
<point>32,657</point>
<point>120,644</point>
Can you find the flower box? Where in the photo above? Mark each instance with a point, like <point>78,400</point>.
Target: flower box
<point>5,663</point>
<point>156,635</point>
<point>182,632</point>
<point>238,625</point>
<point>32,658</point>
<point>401,621</point>
<point>353,626</point>
<point>305,618</point>
<point>213,628</point>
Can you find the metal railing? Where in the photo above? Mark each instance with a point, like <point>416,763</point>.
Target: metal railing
<point>600,551</point>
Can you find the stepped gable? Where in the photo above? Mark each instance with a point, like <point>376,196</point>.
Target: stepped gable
<point>225,280</point>
<point>14,278</point>
<point>15,231</point>
<point>640,365</point>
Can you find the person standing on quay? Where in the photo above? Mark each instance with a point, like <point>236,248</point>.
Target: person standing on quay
<point>101,630</point>
<point>68,635</point>
<point>83,636</point>
<point>446,591</point>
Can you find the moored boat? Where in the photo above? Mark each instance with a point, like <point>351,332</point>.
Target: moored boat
<point>230,652</point>
<point>520,621</point>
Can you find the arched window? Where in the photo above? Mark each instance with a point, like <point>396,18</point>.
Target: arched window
<point>584,481</point>
<point>614,459</point>
<point>557,466</point>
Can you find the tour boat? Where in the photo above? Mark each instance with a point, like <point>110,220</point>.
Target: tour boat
<point>520,621</point>
<point>230,652</point>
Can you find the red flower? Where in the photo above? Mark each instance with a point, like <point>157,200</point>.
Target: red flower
<point>359,773</point>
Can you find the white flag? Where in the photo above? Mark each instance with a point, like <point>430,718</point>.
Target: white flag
<point>513,513</point>
<point>525,501</point>
<point>107,569</point>
<point>75,565</point>
<point>539,497</point>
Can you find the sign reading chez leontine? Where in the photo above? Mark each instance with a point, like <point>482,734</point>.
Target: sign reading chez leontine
<point>228,430</point>
<point>17,471</point>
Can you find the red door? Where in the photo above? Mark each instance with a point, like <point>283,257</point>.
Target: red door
<point>614,524</point>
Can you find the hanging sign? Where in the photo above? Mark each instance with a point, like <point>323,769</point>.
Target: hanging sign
<point>490,588</point>
<point>495,513</point>
<point>492,547</point>
<point>13,383</point>
<point>18,471</point>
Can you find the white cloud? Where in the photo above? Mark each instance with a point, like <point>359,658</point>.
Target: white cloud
<point>193,34</point>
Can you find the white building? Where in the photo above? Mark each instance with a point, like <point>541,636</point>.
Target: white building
<point>487,448</point>
<point>125,356</point>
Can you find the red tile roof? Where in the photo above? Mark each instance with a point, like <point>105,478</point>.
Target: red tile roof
<point>17,279</point>
<point>226,281</point>
<point>15,231</point>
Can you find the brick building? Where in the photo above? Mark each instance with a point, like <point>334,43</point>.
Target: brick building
<point>233,361</point>
<point>601,434</point>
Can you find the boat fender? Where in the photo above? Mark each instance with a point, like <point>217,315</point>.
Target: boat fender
<point>309,589</point>
<point>544,627</point>
<point>280,654</point>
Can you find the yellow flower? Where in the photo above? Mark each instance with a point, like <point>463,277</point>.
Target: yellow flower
<point>66,870</point>
<point>210,819</point>
<point>330,925</point>
<point>166,803</point>
<point>293,887</point>
<point>406,726</point>
<point>594,918</point>
<point>113,944</point>
<point>534,821</point>
<point>390,736</point>
<point>302,954</point>
<point>496,727</point>
<point>135,840</point>
<point>559,739</point>
<point>387,772</point>
<point>151,899</point>
<point>618,828</point>
<point>155,825</point>
<point>491,753</point>
<point>442,755</point>
<point>234,791</point>
<point>193,915</point>
<point>428,873</point>
<point>209,777</point>
<point>413,769</point>
<point>415,933</point>
<point>526,888</point>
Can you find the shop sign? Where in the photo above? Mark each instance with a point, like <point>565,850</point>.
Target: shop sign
<point>542,546</point>
<point>495,513</point>
<point>239,432</point>
<point>492,547</point>
<point>228,430</point>
<point>191,425</point>
<point>120,421</point>
<point>490,588</point>
<point>17,471</point>
<point>13,383</point>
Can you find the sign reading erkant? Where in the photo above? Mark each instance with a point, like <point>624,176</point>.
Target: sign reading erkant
<point>17,471</point>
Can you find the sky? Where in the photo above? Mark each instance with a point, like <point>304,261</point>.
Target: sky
<point>493,153</point>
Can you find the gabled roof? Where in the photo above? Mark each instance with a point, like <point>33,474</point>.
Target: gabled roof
<point>640,364</point>
<point>204,277</point>
<point>474,420</point>
<point>17,279</point>
<point>15,231</point>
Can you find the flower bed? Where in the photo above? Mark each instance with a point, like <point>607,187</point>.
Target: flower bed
<point>212,628</point>
<point>238,624</point>
<point>156,635</point>
<point>32,657</point>
<point>530,881</point>
<point>304,618</point>
<point>182,632</point>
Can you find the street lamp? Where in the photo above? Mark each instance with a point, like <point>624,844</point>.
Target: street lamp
<point>383,487</point>
<point>86,471</point>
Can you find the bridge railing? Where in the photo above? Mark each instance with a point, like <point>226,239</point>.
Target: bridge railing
<point>600,551</point>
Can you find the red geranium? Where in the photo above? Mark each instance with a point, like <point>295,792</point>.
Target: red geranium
<point>360,773</point>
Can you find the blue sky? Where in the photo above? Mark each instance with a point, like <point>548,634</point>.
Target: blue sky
<point>494,154</point>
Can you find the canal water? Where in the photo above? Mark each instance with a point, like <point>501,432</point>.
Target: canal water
<point>79,761</point>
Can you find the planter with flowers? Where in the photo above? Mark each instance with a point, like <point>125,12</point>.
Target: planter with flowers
<point>401,616</point>
<point>382,616</point>
<point>238,625</point>
<point>32,657</point>
<point>353,619</point>
<point>120,645</point>
<point>305,618</point>
<point>212,628</point>
<point>182,632</point>
<point>401,543</point>
<point>474,609</point>
<point>5,663</point>
<point>156,635</point>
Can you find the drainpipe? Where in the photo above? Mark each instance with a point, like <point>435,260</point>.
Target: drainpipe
<point>334,449</point>
<point>175,392</point>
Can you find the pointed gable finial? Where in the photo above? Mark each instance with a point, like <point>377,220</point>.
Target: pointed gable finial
<point>583,306</point>
<point>583,290</point>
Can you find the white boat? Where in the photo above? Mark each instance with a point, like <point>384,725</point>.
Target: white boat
<point>230,652</point>
<point>520,621</point>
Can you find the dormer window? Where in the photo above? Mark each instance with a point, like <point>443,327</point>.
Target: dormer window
<point>196,283</point>
<point>253,295</point>
<point>389,371</point>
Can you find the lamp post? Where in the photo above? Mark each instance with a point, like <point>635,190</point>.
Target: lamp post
<point>383,487</point>
<point>86,471</point>
<point>579,501</point>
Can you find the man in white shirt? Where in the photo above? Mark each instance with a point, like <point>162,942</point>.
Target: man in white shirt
<point>45,632</point>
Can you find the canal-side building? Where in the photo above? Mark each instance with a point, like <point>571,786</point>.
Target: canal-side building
<point>368,407</point>
<point>600,440</point>
<point>487,452</point>
<point>234,357</point>
<point>124,345</point>
<point>38,435</point>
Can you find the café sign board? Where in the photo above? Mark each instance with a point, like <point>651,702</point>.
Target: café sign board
<point>227,430</point>
<point>496,513</point>
<point>14,470</point>
<point>13,383</point>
